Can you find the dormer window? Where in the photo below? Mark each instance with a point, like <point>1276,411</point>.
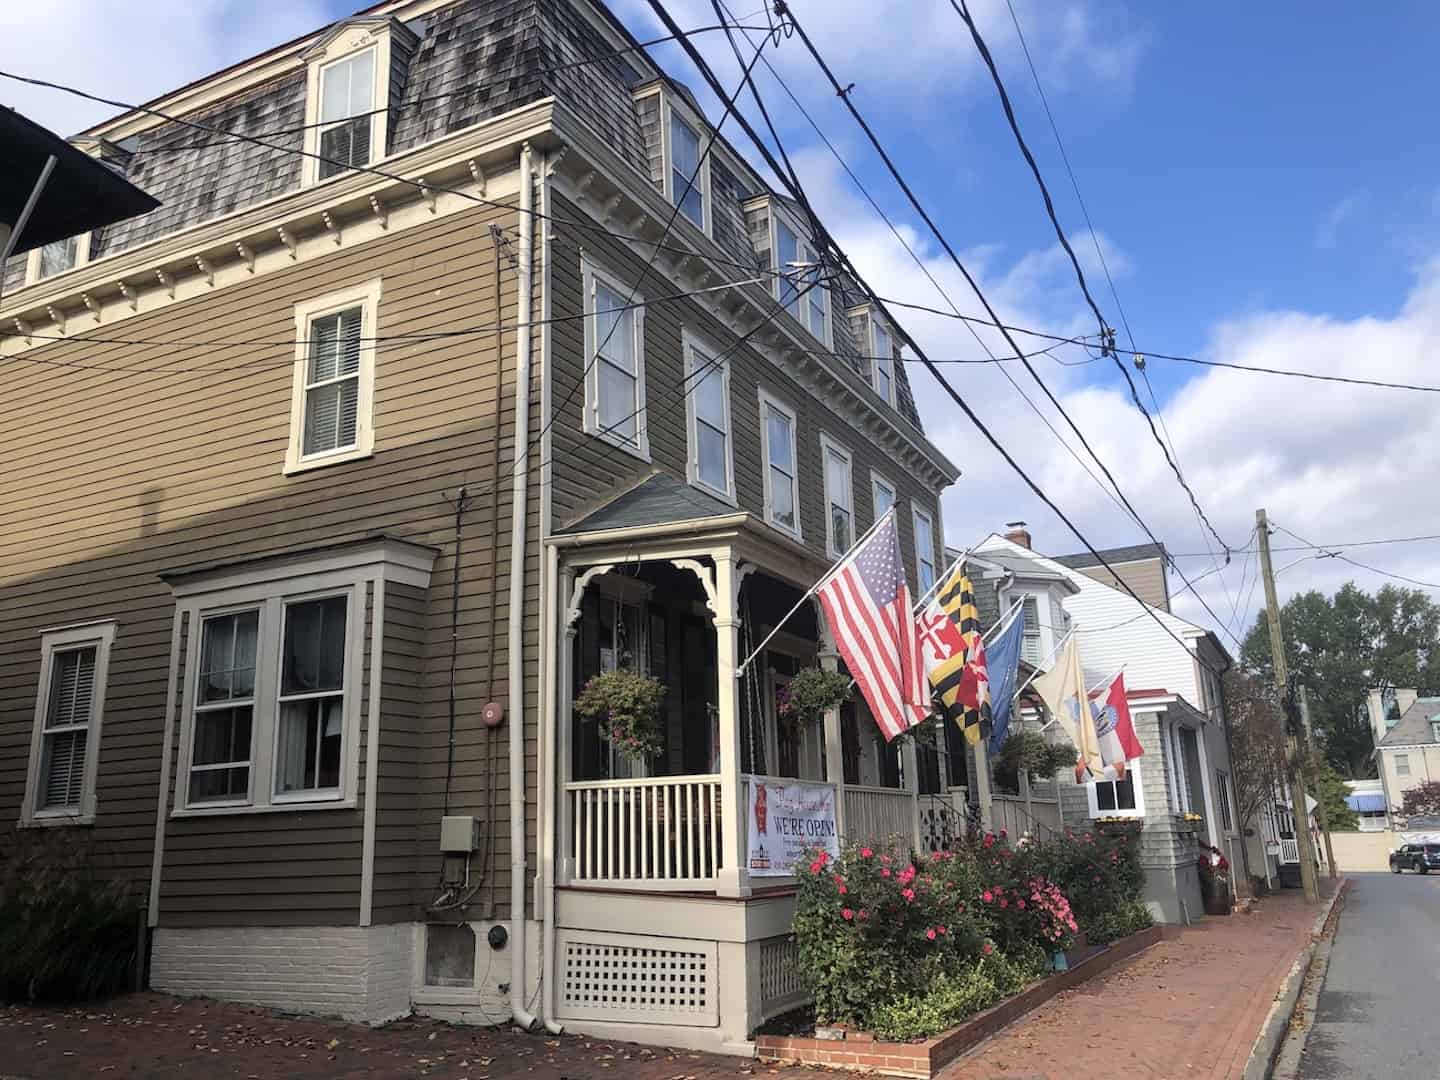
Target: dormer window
<point>882,361</point>
<point>797,266</point>
<point>688,188</point>
<point>347,101</point>
<point>57,257</point>
<point>349,88</point>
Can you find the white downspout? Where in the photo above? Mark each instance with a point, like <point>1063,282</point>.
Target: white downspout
<point>515,664</point>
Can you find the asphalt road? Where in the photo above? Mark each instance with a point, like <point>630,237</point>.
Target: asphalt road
<point>1377,1014</point>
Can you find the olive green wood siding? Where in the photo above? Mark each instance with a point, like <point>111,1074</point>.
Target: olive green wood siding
<point>589,472</point>
<point>112,477</point>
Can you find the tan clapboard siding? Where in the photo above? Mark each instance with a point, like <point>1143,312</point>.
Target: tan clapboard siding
<point>1145,576</point>
<point>113,477</point>
<point>589,472</point>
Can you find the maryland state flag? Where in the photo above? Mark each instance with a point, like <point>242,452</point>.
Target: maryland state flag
<point>950,641</point>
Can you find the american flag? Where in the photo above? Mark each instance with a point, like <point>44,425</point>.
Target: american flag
<point>867,604</point>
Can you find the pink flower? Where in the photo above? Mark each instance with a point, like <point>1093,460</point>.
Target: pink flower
<point>885,872</point>
<point>908,894</point>
<point>1004,902</point>
<point>847,914</point>
<point>907,875</point>
<point>865,853</point>
<point>1020,904</point>
<point>940,929</point>
<point>930,934</point>
<point>816,867</point>
<point>863,915</point>
<point>1003,834</point>
<point>843,890</point>
<point>987,896</point>
<point>987,948</point>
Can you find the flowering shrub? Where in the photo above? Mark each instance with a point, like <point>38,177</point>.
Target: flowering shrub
<point>1214,869</point>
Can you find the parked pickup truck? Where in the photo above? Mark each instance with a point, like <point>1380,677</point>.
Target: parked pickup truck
<point>1419,857</point>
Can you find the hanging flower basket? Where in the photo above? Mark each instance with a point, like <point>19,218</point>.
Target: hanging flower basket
<point>1028,750</point>
<point>626,706</point>
<point>810,694</point>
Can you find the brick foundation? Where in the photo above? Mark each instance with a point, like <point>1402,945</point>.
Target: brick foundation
<point>924,1059</point>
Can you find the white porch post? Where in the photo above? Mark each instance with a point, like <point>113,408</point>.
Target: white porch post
<point>732,880</point>
<point>912,784</point>
<point>565,725</point>
<point>982,784</point>
<point>834,744</point>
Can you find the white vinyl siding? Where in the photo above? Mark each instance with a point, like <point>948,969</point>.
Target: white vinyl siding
<point>65,744</point>
<point>839,497</point>
<point>777,436</point>
<point>924,548</point>
<point>707,402</point>
<point>615,362</point>
<point>789,249</point>
<point>689,189</point>
<point>331,411</point>
<point>347,101</point>
<point>882,361</point>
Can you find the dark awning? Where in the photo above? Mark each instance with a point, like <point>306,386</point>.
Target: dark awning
<point>82,193</point>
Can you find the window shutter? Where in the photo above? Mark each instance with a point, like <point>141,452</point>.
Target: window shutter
<point>72,697</point>
<point>65,774</point>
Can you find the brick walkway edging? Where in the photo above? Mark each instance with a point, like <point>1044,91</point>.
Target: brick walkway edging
<point>1277,1022</point>
<point>922,1060</point>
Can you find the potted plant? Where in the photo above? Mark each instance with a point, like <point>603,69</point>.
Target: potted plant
<point>626,706</point>
<point>1214,880</point>
<point>810,694</point>
<point>1028,750</point>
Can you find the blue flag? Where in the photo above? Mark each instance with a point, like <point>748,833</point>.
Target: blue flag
<point>1003,657</point>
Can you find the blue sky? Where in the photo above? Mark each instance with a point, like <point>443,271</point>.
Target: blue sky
<point>1256,174</point>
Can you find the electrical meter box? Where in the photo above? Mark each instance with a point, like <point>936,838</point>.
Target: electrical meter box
<point>459,834</point>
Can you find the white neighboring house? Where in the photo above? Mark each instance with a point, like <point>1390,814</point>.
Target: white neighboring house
<point>1180,788</point>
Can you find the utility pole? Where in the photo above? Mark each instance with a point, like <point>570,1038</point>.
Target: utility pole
<point>1323,813</point>
<point>1293,764</point>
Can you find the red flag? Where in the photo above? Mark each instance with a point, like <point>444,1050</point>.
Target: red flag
<point>1118,742</point>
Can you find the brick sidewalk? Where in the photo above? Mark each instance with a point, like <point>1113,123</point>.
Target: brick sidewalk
<point>1189,1007</point>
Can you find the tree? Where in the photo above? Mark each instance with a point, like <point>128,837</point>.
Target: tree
<point>1340,647</point>
<point>1330,791</point>
<point>1257,742</point>
<point>1421,799</point>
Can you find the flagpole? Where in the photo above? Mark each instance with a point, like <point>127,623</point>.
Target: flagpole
<point>1051,656</point>
<point>740,669</point>
<point>1005,621</point>
<point>941,579</point>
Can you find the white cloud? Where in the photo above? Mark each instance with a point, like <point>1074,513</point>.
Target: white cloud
<point>1340,214</point>
<point>131,51</point>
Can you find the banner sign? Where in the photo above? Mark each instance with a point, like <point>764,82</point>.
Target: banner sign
<point>789,821</point>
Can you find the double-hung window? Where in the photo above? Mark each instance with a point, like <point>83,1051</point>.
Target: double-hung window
<point>707,401</point>
<point>615,362</point>
<point>882,361</point>
<point>1402,764</point>
<point>334,378</point>
<point>1030,635</point>
<point>273,672</point>
<point>798,271</point>
<point>882,494</point>
<point>777,435</point>
<point>687,170</point>
<point>58,256</point>
<point>1120,798</point>
<point>1222,794</point>
<point>347,101</point>
<point>839,497</point>
<point>65,743</point>
<point>924,548</point>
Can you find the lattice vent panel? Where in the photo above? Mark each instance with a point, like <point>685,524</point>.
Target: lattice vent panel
<point>781,987</point>
<point>629,977</point>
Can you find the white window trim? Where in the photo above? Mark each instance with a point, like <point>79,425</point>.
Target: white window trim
<point>367,296</point>
<point>1396,761</point>
<point>706,148</point>
<point>590,273</point>
<point>32,261</point>
<point>691,342</point>
<point>918,514</point>
<point>269,583</point>
<point>349,42</point>
<point>768,400</point>
<point>800,234</point>
<point>1133,771</point>
<point>829,446</point>
<point>102,636</point>
<point>878,481</point>
<point>871,322</point>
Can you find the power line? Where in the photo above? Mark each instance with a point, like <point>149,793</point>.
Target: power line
<point>708,74</point>
<point>1335,554</point>
<point>845,96</point>
<point>964,12</point>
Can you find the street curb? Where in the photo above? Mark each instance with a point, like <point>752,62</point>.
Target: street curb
<point>1272,1033</point>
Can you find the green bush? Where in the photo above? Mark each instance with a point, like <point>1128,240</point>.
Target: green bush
<point>65,933</point>
<point>1129,918</point>
<point>954,996</point>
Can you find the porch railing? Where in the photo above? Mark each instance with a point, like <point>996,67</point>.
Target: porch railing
<point>659,833</point>
<point>878,814</point>
<point>1289,850</point>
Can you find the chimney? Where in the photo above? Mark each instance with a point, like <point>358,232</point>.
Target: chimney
<point>1016,533</point>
